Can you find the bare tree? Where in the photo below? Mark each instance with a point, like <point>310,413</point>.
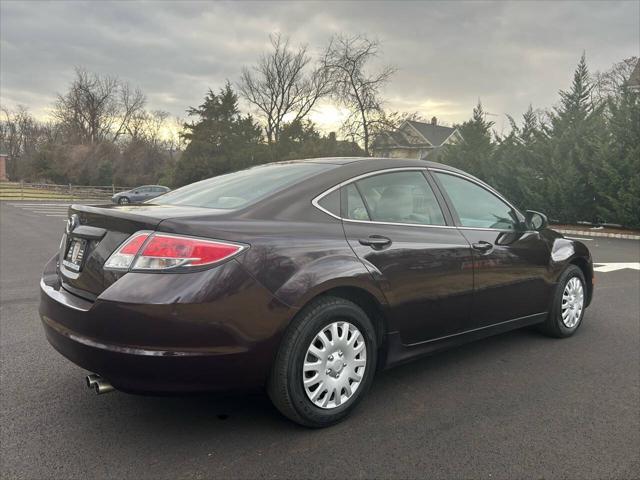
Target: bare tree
<point>345,63</point>
<point>97,108</point>
<point>610,82</point>
<point>281,87</point>
<point>15,130</point>
<point>21,135</point>
<point>148,126</point>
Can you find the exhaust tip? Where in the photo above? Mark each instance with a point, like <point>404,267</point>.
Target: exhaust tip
<point>99,384</point>
<point>92,379</point>
<point>102,386</point>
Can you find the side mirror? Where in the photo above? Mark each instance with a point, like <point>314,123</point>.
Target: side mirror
<point>536,220</point>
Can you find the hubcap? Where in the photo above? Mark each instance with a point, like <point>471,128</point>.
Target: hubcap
<point>334,365</point>
<point>572,302</point>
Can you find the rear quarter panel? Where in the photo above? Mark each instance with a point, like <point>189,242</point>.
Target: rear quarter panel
<point>296,256</point>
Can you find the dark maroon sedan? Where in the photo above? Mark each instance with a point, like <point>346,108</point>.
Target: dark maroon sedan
<point>304,277</point>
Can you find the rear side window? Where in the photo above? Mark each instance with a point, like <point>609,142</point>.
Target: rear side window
<point>401,197</point>
<point>477,207</point>
<point>331,202</point>
<point>239,189</point>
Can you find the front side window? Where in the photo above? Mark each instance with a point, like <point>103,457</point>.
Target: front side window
<point>476,206</point>
<point>401,197</point>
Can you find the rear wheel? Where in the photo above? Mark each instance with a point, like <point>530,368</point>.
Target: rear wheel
<point>123,200</point>
<point>567,310</point>
<point>325,364</point>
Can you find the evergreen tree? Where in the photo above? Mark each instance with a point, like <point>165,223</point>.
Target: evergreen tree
<point>474,153</point>
<point>301,139</point>
<point>219,141</point>
<point>518,164</point>
<point>618,161</point>
<point>575,133</point>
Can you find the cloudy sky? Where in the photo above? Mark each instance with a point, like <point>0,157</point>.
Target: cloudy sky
<point>448,54</point>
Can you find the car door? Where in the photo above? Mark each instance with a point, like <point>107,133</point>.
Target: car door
<point>511,263</point>
<point>135,195</point>
<point>146,193</point>
<point>155,192</point>
<point>394,222</point>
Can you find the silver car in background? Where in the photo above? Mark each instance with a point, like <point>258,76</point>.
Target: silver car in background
<point>139,194</point>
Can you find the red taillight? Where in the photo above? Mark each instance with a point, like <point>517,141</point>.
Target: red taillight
<point>132,246</point>
<point>123,257</point>
<point>160,251</point>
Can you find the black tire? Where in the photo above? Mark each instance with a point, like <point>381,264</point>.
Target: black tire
<point>553,325</point>
<point>123,201</point>
<point>285,386</point>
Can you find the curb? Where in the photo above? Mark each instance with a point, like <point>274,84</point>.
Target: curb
<point>587,233</point>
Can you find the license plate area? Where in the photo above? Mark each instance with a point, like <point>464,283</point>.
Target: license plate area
<point>75,254</point>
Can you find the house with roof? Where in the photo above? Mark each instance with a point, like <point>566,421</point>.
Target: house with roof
<point>634,79</point>
<point>414,140</point>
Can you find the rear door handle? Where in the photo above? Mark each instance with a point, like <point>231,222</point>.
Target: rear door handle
<point>482,246</point>
<point>375,241</point>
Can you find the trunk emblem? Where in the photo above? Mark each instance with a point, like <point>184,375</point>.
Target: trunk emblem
<point>72,223</point>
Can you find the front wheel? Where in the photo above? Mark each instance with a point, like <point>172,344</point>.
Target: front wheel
<point>123,201</point>
<point>325,364</point>
<point>567,310</point>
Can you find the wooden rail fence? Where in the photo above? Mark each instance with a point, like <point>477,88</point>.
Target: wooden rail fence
<point>47,191</point>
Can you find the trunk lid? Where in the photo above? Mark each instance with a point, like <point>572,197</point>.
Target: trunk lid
<point>94,232</point>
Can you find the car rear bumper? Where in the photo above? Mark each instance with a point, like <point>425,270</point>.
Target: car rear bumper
<point>180,351</point>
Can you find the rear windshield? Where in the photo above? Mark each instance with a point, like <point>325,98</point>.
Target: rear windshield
<point>239,189</point>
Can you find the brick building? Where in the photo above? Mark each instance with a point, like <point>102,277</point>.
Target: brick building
<point>4,159</point>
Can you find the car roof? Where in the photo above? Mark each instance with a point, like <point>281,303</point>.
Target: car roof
<point>343,169</point>
<point>378,162</point>
<point>326,160</point>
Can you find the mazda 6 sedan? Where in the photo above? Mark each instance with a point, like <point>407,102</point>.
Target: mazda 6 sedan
<point>305,278</point>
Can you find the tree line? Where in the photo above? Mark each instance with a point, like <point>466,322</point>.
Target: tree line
<point>576,161</point>
<point>579,161</point>
<point>100,131</point>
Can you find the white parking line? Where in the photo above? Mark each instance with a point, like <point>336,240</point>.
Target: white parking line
<point>47,205</point>
<point>45,209</point>
<point>22,205</point>
<point>613,266</point>
<point>582,239</point>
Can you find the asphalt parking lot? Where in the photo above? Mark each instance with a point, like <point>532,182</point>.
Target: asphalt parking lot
<point>515,405</point>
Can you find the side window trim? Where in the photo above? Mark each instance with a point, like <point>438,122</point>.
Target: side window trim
<point>367,207</point>
<point>452,209</point>
<point>442,202</point>
<point>316,200</point>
